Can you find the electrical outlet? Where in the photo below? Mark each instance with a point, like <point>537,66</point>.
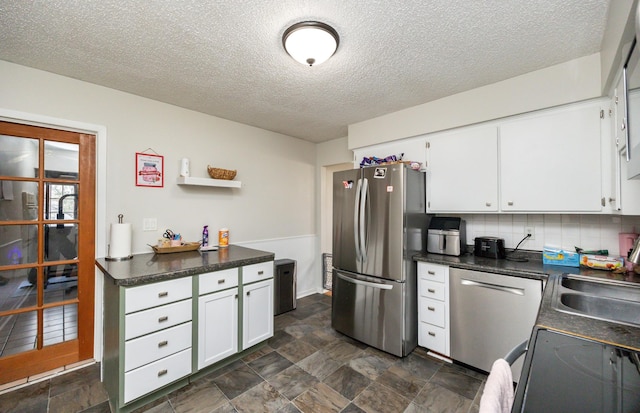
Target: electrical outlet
<point>149,224</point>
<point>531,232</point>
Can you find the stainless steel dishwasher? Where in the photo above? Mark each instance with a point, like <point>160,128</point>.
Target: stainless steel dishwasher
<point>490,314</point>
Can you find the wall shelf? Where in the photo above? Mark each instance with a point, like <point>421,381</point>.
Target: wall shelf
<point>188,180</point>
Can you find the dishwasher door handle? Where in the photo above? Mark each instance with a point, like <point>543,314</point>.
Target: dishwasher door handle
<point>511,290</point>
<point>366,283</point>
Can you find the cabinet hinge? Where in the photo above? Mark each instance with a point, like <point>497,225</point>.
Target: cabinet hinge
<point>616,100</point>
<point>601,114</point>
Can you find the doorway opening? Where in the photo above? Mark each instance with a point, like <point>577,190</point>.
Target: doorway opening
<point>47,249</point>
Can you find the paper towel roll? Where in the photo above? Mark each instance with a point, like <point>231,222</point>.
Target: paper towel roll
<point>120,241</point>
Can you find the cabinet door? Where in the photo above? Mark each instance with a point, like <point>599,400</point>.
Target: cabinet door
<point>257,315</point>
<point>217,326</point>
<point>551,162</point>
<point>462,171</point>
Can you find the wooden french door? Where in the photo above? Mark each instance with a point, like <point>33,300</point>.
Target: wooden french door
<point>47,249</point>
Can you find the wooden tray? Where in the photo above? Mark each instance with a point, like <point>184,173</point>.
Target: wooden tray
<point>187,246</point>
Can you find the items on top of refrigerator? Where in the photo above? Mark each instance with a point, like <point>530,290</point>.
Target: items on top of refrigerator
<point>391,159</point>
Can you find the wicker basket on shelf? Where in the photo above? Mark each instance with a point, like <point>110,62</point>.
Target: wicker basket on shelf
<point>219,173</point>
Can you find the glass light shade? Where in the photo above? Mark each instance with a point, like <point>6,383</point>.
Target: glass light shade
<point>310,43</point>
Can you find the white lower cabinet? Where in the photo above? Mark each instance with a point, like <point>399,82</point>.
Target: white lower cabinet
<point>433,308</point>
<point>149,329</point>
<point>257,313</point>
<point>145,379</point>
<point>217,326</point>
<point>157,336</point>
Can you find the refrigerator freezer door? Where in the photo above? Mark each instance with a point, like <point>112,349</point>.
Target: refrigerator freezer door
<point>384,222</point>
<point>346,252</point>
<point>371,310</point>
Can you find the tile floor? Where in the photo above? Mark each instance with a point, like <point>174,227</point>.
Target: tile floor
<point>306,367</point>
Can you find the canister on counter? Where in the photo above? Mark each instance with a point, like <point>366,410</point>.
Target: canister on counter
<point>223,237</point>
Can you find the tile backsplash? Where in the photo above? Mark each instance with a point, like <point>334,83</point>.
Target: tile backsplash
<point>590,232</point>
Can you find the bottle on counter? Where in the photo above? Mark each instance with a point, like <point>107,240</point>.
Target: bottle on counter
<point>223,237</point>
<point>205,236</point>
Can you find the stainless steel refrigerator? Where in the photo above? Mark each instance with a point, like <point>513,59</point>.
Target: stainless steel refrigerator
<point>379,223</point>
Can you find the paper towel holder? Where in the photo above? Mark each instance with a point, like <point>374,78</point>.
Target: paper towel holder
<point>108,258</point>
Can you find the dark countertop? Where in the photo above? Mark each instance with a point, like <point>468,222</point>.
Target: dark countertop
<point>621,335</point>
<point>152,267</point>
<point>548,317</point>
<point>534,268</point>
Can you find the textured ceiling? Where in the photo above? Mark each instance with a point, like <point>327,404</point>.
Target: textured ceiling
<point>225,57</point>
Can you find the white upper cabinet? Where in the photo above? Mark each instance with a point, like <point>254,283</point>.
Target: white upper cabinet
<point>551,162</point>
<point>462,170</point>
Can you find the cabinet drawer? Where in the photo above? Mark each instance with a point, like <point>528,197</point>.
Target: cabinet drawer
<point>432,272</point>
<point>257,272</point>
<point>152,347</point>
<point>432,312</point>
<point>145,379</point>
<point>217,281</point>
<point>431,289</point>
<point>153,295</point>
<point>154,319</point>
<point>433,338</point>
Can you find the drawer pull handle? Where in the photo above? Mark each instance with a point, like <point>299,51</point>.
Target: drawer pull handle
<point>431,308</point>
<point>163,294</point>
<point>431,272</point>
<point>432,334</point>
<point>163,343</point>
<point>162,372</point>
<point>431,290</point>
<point>221,281</point>
<point>163,318</point>
<point>260,272</point>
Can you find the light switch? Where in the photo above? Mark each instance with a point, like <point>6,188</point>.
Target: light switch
<point>149,224</point>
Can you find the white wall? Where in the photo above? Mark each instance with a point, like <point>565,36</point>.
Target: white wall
<point>277,198</point>
<point>568,82</point>
<point>275,209</point>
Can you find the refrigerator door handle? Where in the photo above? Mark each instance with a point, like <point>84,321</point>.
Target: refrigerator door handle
<point>362,223</point>
<point>365,283</point>
<point>356,221</point>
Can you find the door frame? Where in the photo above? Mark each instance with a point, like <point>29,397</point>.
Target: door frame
<point>100,132</point>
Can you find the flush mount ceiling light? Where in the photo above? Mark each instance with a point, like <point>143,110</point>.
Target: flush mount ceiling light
<point>310,43</point>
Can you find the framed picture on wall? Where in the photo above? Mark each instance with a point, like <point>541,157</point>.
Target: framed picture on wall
<point>149,170</point>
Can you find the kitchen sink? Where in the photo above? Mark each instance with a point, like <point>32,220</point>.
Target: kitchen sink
<point>623,292</point>
<point>604,308</point>
<point>599,299</point>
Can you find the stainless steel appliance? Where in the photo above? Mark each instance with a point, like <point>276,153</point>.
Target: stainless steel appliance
<point>490,314</point>
<point>379,222</point>
<point>447,236</point>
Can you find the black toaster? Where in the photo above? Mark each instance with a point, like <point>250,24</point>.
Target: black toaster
<point>489,247</point>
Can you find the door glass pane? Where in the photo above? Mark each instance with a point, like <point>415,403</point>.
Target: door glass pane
<point>18,157</point>
<point>61,242</point>
<point>61,160</point>
<point>60,324</point>
<point>62,283</point>
<point>18,200</point>
<point>61,201</point>
<point>16,291</point>
<point>18,244</point>
<point>18,333</point>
